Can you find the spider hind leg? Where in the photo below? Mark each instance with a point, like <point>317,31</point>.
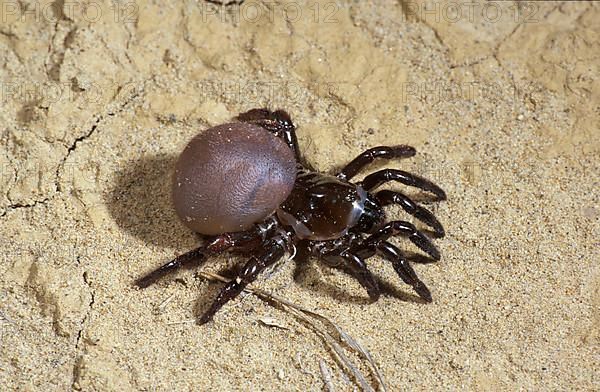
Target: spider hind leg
<point>273,251</point>
<point>197,256</point>
<point>215,245</point>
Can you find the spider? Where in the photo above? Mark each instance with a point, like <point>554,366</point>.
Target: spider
<point>245,187</point>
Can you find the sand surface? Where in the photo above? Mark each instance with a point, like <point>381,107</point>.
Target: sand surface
<point>502,103</point>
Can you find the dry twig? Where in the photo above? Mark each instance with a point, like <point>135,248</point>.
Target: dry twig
<point>316,322</point>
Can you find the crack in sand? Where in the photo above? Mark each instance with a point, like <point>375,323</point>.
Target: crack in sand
<point>53,65</point>
<point>86,135</point>
<point>90,308</point>
<point>17,206</point>
<point>77,364</point>
<point>78,358</point>
<point>12,38</point>
<point>72,148</point>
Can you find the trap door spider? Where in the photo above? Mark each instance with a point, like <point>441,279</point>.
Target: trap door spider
<point>339,222</point>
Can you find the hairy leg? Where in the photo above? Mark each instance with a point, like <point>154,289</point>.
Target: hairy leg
<point>384,152</point>
<point>387,197</point>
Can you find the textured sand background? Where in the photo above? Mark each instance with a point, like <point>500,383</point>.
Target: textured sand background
<point>501,101</point>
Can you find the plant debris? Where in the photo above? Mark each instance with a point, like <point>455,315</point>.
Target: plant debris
<point>331,333</point>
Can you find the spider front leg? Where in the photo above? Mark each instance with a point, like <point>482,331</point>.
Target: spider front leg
<point>274,250</point>
<point>384,152</point>
<point>378,178</point>
<point>216,245</point>
<point>405,229</point>
<point>278,122</point>
<point>356,267</point>
<point>403,269</point>
<point>387,197</point>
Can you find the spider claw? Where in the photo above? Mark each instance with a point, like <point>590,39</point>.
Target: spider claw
<point>404,270</point>
<point>439,192</point>
<point>400,151</point>
<point>439,232</point>
<point>427,217</point>
<point>425,244</point>
<point>194,256</point>
<point>374,292</point>
<point>144,282</point>
<point>205,318</point>
<point>370,284</point>
<point>423,291</point>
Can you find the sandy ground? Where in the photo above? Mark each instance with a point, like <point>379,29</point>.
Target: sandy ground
<point>502,102</point>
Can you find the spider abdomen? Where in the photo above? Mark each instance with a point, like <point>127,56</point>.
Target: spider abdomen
<point>230,177</point>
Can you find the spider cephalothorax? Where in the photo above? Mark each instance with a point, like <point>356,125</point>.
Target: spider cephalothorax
<point>245,187</point>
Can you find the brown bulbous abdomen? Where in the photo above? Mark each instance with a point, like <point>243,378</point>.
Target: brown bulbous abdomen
<point>230,177</point>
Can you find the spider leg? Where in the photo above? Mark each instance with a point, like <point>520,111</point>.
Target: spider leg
<point>356,267</point>
<point>225,3</point>
<point>405,229</point>
<point>197,255</point>
<point>385,152</point>
<point>274,250</point>
<point>278,122</point>
<point>387,197</point>
<point>378,178</point>
<point>215,245</point>
<point>403,269</point>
